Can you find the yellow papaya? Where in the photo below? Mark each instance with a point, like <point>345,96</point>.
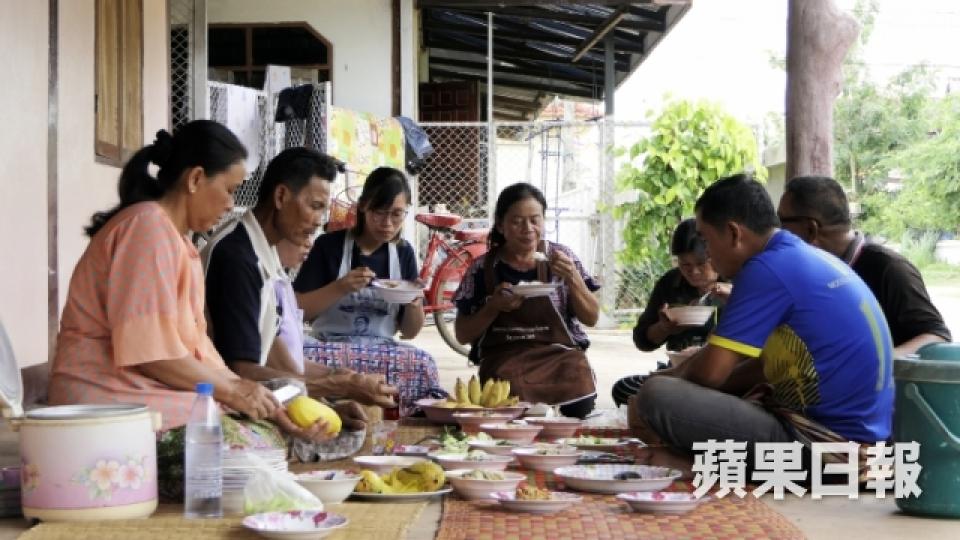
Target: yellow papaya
<point>305,411</point>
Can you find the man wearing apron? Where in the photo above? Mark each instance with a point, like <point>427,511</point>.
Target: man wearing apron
<point>242,268</point>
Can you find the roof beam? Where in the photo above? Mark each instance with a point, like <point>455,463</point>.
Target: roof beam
<point>573,18</point>
<point>501,3</point>
<point>625,45</point>
<point>510,54</point>
<point>537,70</point>
<point>507,78</point>
<point>600,32</point>
<point>579,91</point>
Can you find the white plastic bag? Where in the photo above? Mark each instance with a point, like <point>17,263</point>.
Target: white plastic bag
<point>268,490</point>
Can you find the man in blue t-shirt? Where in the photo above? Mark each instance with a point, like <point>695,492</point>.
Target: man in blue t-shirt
<point>798,318</point>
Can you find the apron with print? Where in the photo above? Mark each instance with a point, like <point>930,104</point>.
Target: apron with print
<point>360,317</point>
<point>532,348</point>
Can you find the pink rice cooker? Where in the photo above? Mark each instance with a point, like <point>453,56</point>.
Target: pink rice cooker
<point>81,462</point>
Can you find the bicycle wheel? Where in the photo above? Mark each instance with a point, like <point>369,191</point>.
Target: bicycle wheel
<point>444,318</point>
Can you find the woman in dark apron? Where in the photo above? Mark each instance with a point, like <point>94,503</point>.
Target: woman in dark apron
<point>537,343</point>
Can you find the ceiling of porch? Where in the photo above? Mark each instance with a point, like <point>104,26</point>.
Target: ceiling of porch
<point>541,49</point>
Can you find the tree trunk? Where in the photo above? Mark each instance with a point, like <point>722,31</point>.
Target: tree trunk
<point>818,37</point>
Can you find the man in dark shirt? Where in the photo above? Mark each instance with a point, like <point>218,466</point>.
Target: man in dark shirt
<point>241,265</point>
<point>815,209</point>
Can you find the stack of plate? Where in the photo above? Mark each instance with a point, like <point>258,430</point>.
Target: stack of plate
<point>10,492</point>
<point>238,468</point>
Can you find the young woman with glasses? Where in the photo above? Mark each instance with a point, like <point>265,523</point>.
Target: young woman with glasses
<point>354,327</point>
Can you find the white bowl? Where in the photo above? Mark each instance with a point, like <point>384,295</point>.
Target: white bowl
<point>470,421</point>
<point>473,488</point>
<point>662,502</point>
<point>295,525</point>
<point>499,447</point>
<point>533,288</point>
<point>520,433</point>
<point>559,501</point>
<point>556,427</point>
<point>691,315</point>
<point>395,291</point>
<point>490,462</point>
<point>331,487</point>
<point>600,478</point>
<point>530,458</point>
<point>384,464</point>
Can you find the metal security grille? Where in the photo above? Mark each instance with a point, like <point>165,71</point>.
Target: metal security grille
<point>455,176</point>
<point>181,58</point>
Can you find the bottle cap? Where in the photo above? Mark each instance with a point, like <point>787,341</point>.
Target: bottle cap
<point>205,389</point>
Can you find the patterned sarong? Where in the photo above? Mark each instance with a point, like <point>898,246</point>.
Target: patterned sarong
<point>412,370</point>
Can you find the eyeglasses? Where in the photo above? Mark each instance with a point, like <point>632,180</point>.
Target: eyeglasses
<point>395,216</point>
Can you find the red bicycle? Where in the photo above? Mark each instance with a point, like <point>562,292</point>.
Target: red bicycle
<point>449,254</point>
<point>457,248</point>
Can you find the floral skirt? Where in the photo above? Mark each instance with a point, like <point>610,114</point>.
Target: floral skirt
<point>238,433</point>
<point>412,370</point>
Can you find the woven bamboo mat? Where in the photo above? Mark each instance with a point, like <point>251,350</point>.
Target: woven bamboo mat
<point>367,520</point>
<point>603,517</point>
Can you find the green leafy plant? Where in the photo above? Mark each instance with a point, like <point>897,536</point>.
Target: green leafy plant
<point>692,144</point>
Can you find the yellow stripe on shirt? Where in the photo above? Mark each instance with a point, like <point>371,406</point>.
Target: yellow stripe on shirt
<point>735,346</point>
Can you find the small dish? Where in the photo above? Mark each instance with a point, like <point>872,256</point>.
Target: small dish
<point>394,291</point>
<point>402,497</point>
<point>533,288</point>
<point>411,450</point>
<point>602,478</point>
<point>532,457</point>
<point>691,315</point>
<point>485,462</point>
<point>470,421</point>
<point>331,486</point>
<point>384,464</point>
<point>662,502</point>
<point>556,427</point>
<point>295,524</point>
<point>519,433</point>
<point>558,501</point>
<point>599,444</point>
<point>499,447</point>
<point>479,488</point>
<point>437,413</point>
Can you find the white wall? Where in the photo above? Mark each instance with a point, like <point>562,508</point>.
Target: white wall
<point>84,186</point>
<point>23,178</point>
<point>358,30</point>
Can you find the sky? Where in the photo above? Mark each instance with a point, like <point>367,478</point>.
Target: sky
<point>721,51</point>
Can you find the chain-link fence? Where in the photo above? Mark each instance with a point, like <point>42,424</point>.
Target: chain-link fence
<point>181,61</point>
<point>571,162</point>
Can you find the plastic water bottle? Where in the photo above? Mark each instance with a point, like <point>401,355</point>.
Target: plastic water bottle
<point>203,470</point>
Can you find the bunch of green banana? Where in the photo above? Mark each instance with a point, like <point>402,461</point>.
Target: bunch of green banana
<point>470,395</point>
<point>419,477</point>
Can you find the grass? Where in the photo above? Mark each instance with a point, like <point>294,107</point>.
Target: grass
<point>941,273</point>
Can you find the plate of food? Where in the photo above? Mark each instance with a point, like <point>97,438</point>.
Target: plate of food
<point>662,502</point>
<point>589,442</point>
<point>535,500</point>
<point>546,457</point>
<point>295,524</point>
<point>422,480</point>
<point>474,459</point>
<point>530,289</point>
<point>474,484</point>
<point>617,478</point>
